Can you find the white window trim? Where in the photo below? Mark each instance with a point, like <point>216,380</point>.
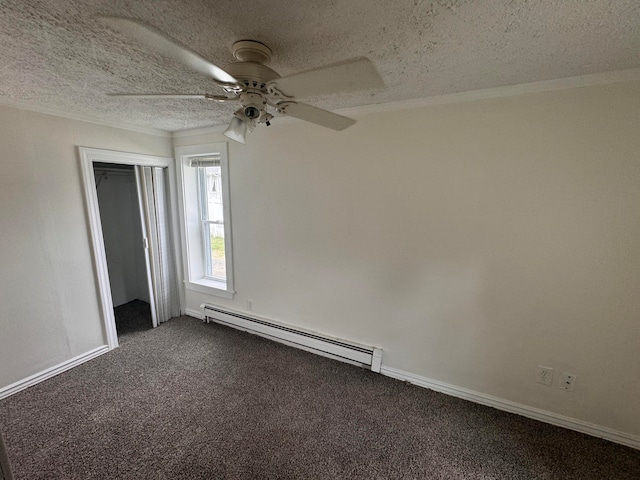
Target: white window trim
<point>190,231</point>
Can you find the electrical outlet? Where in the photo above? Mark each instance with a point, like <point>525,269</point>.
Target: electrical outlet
<point>545,375</point>
<point>249,305</point>
<point>568,381</point>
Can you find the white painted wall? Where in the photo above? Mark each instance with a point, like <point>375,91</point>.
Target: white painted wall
<point>507,239</point>
<point>122,232</point>
<point>49,310</point>
<point>471,241</point>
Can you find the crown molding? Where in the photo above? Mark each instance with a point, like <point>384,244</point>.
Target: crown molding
<point>604,78</point>
<point>22,105</point>
<point>199,131</point>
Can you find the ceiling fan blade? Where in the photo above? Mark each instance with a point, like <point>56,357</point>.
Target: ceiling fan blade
<point>162,43</point>
<point>357,74</point>
<point>196,96</point>
<point>315,115</point>
<point>156,95</point>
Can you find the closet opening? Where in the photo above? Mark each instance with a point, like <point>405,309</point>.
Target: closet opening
<point>124,246</point>
<point>130,204</point>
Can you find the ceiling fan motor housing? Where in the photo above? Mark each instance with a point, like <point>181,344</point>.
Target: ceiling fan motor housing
<point>251,68</point>
<point>252,73</point>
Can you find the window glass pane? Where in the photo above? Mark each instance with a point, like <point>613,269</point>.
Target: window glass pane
<point>210,181</point>
<point>217,268</point>
<point>213,197</point>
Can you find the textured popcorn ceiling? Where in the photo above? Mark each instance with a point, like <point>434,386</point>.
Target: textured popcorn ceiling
<point>55,55</point>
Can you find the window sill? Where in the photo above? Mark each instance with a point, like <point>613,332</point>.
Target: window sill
<point>210,287</point>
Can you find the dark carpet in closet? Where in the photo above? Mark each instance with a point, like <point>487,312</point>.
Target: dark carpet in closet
<point>132,317</point>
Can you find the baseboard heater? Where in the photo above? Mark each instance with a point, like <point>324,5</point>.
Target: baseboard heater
<point>371,357</point>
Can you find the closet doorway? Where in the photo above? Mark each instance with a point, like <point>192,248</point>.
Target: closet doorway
<point>124,247</point>
<point>129,199</point>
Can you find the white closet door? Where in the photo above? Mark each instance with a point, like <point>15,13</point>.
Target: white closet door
<point>156,220</point>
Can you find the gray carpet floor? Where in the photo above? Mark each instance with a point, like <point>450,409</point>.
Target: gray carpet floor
<point>131,318</point>
<point>190,400</point>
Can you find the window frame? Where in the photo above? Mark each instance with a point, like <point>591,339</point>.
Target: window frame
<point>191,225</point>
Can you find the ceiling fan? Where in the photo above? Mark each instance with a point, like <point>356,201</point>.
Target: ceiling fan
<point>258,89</point>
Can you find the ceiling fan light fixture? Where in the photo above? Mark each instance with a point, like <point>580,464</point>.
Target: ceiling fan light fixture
<point>237,130</point>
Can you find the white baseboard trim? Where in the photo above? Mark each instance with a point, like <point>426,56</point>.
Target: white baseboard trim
<point>194,313</point>
<point>581,426</point>
<point>51,372</point>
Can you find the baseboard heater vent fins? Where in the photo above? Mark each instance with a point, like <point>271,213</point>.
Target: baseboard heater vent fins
<point>330,347</point>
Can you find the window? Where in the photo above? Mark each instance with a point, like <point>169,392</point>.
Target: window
<point>205,218</point>
<point>211,208</point>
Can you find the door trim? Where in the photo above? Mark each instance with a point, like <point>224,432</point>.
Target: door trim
<point>87,157</point>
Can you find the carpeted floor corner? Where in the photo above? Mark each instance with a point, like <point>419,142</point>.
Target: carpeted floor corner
<point>190,400</point>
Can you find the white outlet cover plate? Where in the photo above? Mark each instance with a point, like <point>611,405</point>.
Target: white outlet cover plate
<point>568,381</point>
<point>545,375</point>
